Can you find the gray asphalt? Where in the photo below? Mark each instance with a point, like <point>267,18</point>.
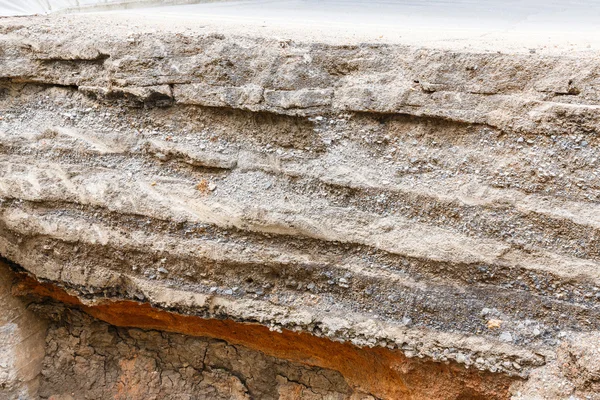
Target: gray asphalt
<point>573,16</point>
<point>482,24</point>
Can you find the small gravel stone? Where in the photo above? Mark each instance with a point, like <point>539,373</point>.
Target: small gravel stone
<point>506,337</point>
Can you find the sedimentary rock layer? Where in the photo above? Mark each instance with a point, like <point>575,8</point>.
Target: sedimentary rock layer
<point>434,203</point>
<point>353,372</point>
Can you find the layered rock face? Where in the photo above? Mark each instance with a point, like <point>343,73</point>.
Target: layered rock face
<point>317,220</point>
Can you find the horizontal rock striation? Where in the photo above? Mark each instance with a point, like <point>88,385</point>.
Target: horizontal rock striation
<point>437,203</point>
<point>353,372</point>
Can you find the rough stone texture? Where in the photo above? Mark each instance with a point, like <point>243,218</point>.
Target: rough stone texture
<point>574,373</point>
<point>22,344</point>
<point>440,203</point>
<point>368,369</point>
<point>115,363</point>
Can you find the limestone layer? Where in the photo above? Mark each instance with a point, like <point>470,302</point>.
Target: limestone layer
<point>434,203</point>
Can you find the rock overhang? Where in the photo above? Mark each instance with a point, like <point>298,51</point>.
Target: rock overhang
<point>421,200</point>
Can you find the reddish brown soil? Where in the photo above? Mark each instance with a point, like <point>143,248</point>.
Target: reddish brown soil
<point>378,371</point>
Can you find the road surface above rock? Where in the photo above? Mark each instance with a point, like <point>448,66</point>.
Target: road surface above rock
<point>531,25</point>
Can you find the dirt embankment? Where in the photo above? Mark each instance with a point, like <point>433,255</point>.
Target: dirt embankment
<point>375,214</point>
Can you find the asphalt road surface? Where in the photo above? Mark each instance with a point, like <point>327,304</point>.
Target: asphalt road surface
<point>526,23</point>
